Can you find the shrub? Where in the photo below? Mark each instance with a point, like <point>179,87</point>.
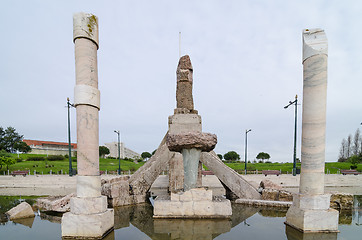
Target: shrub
<point>55,157</point>
<point>353,167</point>
<point>35,158</point>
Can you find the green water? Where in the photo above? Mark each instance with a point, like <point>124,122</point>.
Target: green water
<point>136,222</point>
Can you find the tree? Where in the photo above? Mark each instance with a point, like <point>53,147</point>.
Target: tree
<point>220,156</point>
<point>349,145</point>
<point>262,156</point>
<point>356,142</point>
<point>146,155</point>
<point>22,147</point>
<point>343,151</point>
<point>5,159</point>
<point>8,138</point>
<point>354,160</point>
<point>232,155</point>
<point>154,151</point>
<point>103,150</point>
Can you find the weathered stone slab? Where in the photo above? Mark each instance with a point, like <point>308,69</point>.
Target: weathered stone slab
<point>268,203</point>
<point>55,204</point>
<point>234,181</point>
<point>23,210</point>
<point>187,140</point>
<point>140,182</point>
<point>267,184</point>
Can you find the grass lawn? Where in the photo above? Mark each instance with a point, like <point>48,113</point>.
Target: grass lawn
<point>111,165</point>
<point>57,166</point>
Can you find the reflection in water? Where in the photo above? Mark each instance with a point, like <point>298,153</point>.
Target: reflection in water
<point>192,228</point>
<point>132,222</point>
<point>273,212</point>
<point>141,216</point>
<point>293,234</point>
<point>109,236</point>
<point>28,222</point>
<point>345,217</point>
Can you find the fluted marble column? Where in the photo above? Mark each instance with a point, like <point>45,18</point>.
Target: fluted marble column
<point>310,210</point>
<point>89,216</point>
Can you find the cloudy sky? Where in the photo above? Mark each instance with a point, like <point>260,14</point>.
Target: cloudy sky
<point>247,66</point>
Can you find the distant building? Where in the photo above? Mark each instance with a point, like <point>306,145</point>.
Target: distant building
<point>50,148</point>
<point>125,152</point>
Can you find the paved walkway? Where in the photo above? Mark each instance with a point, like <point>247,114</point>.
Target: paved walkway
<point>55,185</point>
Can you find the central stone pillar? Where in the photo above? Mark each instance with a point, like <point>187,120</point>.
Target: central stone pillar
<point>88,216</point>
<point>311,207</point>
<point>185,136</point>
<point>185,119</point>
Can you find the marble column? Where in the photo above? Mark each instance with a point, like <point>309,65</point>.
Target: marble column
<point>89,216</point>
<point>311,208</point>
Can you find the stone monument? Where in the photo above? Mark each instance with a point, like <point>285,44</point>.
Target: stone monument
<point>88,216</point>
<point>185,120</point>
<point>185,136</point>
<point>311,210</point>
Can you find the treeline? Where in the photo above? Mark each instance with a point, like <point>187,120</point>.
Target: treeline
<point>351,149</point>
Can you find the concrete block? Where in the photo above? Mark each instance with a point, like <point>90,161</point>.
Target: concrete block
<point>309,220</point>
<point>88,186</point>
<point>185,196</point>
<point>175,197</point>
<point>87,226</point>
<point>179,123</point>
<point>222,208</point>
<point>88,205</point>
<point>320,201</point>
<point>165,208</point>
<point>200,194</point>
<point>23,210</point>
<point>204,208</point>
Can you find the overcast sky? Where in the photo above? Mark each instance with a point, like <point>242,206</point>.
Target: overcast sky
<point>247,66</point>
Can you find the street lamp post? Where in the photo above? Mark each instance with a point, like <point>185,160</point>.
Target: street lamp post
<point>69,142</point>
<point>119,151</point>
<point>295,102</point>
<point>246,147</point>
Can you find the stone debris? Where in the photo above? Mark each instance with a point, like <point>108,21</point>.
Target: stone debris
<point>23,210</point>
<point>276,195</point>
<point>267,184</point>
<point>203,141</point>
<point>55,204</point>
<point>268,203</point>
<point>341,201</point>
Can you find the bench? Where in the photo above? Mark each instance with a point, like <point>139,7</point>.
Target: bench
<point>270,172</point>
<point>24,173</point>
<point>344,172</point>
<point>207,173</point>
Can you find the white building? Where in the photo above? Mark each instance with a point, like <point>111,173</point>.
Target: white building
<point>125,152</point>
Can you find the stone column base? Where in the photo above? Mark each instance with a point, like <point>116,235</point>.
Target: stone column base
<point>311,213</point>
<point>94,226</point>
<point>195,203</point>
